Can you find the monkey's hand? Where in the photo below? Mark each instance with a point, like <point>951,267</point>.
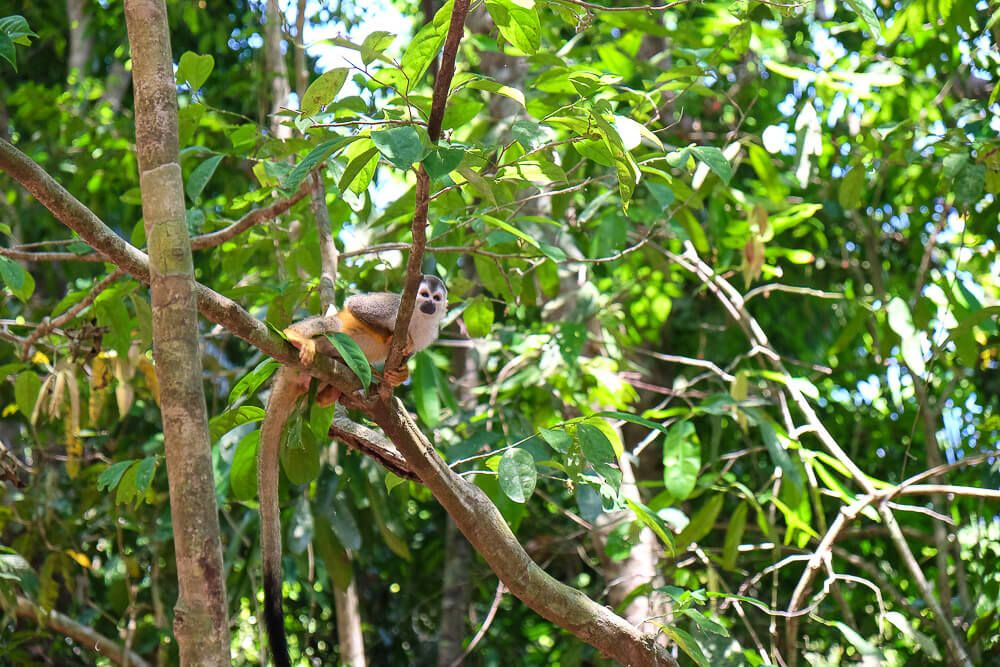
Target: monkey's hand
<point>396,377</point>
<point>304,344</point>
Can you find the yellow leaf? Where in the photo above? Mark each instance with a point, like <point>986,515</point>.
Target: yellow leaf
<point>40,358</point>
<point>10,409</point>
<point>149,372</point>
<point>80,558</point>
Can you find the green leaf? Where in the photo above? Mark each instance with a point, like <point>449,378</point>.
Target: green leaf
<point>779,455</point>
<point>529,134</point>
<point>362,165</point>
<point>374,45</point>
<point>352,356</point>
<point>864,647</point>
<point>243,471</point>
<point>26,388</point>
<point>200,176</point>
<point>734,535</point>
<point>315,157</point>
<point>442,161</point>
<point>714,159</point>
<point>969,184</point>
<point>222,424</point>
<point>479,317</point>
<point>517,475</point>
<point>425,392</point>
<point>127,490</point>
<point>558,439</point>
<point>500,89</point>
<point>332,553</point>
<point>344,525</point>
<point>861,8</point>
<point>595,445</point>
<point>300,460</point>
<point>424,46</point>
<point>681,460</point>
<point>706,624</point>
<point>653,522</point>
<point>853,182</point>
<point>901,321</point>
<point>518,23</point>
<point>16,27</point>
<point>323,90</point>
<point>252,381</point>
<point>145,471</point>
<point>194,69</point>
<point>702,522</point>
<point>7,50</point>
<point>16,278</point>
<point>510,229</point>
<point>686,643</point>
<point>110,476</point>
<point>402,146</point>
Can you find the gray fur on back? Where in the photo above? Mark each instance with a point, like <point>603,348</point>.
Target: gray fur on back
<point>377,310</point>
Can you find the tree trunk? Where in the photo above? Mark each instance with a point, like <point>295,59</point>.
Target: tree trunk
<point>80,41</point>
<point>200,617</point>
<point>277,71</point>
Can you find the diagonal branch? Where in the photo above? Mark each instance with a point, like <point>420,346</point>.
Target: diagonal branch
<point>86,637</point>
<point>485,528</point>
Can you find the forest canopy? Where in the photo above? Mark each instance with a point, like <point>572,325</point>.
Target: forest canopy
<point>719,381</point>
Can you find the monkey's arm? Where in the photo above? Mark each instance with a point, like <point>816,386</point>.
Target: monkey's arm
<point>301,334</point>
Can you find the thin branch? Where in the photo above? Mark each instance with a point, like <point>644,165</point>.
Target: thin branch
<point>487,622</point>
<point>251,219</point>
<point>634,8</point>
<point>734,304</point>
<point>84,636</point>
<point>48,325</point>
<point>442,84</point>
<point>794,289</point>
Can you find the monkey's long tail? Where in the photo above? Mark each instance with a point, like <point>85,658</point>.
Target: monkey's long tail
<point>284,393</point>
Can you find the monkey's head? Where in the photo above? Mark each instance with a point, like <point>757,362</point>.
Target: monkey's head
<point>432,297</point>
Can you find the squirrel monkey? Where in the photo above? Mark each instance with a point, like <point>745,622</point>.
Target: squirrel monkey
<point>369,319</point>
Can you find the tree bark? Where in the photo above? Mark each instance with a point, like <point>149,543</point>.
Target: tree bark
<point>482,524</point>
<point>276,69</point>
<point>200,618</point>
<point>81,43</point>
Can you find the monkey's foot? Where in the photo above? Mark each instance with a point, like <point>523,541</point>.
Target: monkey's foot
<point>396,377</point>
<point>327,396</point>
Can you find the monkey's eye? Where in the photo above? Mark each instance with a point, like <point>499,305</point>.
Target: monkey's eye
<point>437,297</point>
<point>424,293</point>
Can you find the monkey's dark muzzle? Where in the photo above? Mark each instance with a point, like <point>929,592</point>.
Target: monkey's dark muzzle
<point>427,308</point>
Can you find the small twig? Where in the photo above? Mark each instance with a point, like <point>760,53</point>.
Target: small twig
<point>794,289</point>
<point>487,622</point>
<point>418,227</point>
<point>48,325</point>
<point>251,219</point>
<point>634,8</point>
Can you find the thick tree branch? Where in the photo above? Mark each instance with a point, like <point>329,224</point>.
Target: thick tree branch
<point>86,637</point>
<point>482,524</point>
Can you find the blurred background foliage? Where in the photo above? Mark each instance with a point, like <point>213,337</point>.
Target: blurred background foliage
<point>837,163</point>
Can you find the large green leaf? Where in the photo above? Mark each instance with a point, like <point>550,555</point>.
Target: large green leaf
<point>517,474</point>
